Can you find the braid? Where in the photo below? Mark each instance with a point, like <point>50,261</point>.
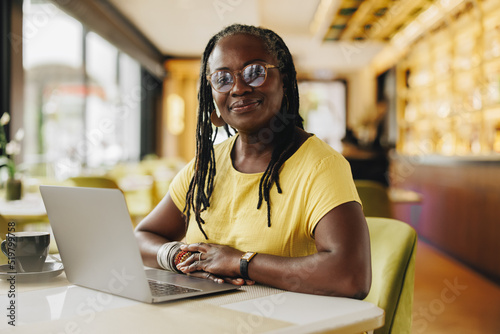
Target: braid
<point>199,192</point>
<point>202,183</point>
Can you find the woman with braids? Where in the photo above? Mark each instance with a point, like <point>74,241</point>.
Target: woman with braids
<point>272,204</point>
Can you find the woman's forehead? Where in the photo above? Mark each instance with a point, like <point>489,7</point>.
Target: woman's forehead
<point>238,49</point>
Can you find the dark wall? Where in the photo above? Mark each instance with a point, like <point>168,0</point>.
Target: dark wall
<point>5,29</point>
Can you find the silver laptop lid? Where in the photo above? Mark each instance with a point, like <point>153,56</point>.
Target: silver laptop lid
<point>94,235</point>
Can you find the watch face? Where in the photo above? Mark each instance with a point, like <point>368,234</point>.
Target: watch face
<point>247,256</point>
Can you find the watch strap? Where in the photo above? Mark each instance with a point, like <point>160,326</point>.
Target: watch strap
<point>244,261</point>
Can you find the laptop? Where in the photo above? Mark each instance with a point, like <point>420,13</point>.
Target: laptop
<point>94,234</point>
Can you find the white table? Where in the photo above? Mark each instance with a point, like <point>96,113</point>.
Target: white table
<point>56,306</point>
<point>29,208</point>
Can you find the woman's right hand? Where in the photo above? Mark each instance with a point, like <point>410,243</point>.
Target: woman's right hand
<point>198,265</point>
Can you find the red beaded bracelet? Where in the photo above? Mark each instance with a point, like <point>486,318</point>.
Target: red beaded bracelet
<point>181,257</point>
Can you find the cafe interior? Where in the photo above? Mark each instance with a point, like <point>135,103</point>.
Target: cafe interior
<point>104,94</point>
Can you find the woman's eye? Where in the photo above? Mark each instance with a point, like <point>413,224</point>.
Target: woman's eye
<point>253,72</point>
<point>223,80</point>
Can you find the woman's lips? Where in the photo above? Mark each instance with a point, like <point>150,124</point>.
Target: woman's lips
<point>244,105</point>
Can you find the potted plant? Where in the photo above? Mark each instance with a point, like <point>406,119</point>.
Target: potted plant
<point>13,185</point>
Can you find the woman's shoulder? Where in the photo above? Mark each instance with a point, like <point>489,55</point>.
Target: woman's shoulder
<point>316,150</point>
<point>314,156</point>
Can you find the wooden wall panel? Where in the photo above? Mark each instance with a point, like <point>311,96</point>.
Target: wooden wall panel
<point>460,212</point>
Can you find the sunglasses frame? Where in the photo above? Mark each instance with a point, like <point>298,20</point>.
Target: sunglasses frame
<point>234,73</point>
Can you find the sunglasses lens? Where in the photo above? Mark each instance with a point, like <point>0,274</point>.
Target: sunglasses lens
<point>254,75</point>
<point>222,81</point>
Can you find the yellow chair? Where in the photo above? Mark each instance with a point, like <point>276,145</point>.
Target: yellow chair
<point>375,198</point>
<point>393,248</point>
<point>3,233</point>
<point>139,201</point>
<point>93,182</point>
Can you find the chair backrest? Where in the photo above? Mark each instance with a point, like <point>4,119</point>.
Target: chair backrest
<point>3,234</point>
<point>375,198</point>
<point>93,182</point>
<point>393,248</point>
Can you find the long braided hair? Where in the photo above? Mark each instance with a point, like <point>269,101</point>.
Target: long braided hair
<point>285,139</point>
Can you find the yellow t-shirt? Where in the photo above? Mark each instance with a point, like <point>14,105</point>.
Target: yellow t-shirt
<point>314,180</point>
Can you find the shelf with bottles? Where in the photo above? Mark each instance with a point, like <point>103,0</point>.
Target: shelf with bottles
<point>489,6</point>
<point>467,128</point>
<point>467,90</point>
<point>449,87</point>
<point>420,74</point>
<point>467,49</point>
<point>418,105</point>
<point>412,142</point>
<point>491,35</point>
<point>491,129</point>
<point>490,85</point>
<point>466,31</point>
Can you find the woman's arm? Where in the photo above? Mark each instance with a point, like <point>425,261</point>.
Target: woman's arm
<point>165,223</point>
<point>342,266</point>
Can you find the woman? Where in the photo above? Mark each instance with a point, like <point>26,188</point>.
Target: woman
<point>311,235</point>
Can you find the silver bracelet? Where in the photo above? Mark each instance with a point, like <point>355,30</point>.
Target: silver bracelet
<point>166,255</point>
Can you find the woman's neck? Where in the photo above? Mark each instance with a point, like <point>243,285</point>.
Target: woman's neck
<point>252,154</point>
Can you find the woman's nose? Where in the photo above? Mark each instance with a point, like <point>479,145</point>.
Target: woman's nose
<point>240,86</point>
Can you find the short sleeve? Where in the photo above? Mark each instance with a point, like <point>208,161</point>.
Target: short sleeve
<point>180,184</point>
<point>330,184</point>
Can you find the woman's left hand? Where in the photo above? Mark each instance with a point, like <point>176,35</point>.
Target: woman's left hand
<point>221,262</point>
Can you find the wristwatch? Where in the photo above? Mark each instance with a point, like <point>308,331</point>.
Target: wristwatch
<point>244,261</point>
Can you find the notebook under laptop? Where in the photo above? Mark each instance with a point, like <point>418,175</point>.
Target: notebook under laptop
<point>94,235</point>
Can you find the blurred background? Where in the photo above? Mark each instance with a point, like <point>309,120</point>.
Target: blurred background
<point>104,93</point>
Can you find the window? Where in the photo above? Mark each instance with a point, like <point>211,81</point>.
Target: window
<point>323,107</point>
<point>82,95</point>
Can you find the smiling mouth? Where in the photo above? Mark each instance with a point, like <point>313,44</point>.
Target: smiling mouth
<point>245,105</point>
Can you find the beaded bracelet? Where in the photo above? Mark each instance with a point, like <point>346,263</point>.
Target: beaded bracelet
<point>181,257</point>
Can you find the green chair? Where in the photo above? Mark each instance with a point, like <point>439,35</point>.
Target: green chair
<point>375,198</point>
<point>393,248</point>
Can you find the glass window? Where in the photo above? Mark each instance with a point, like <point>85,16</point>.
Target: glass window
<point>82,108</point>
<point>323,107</point>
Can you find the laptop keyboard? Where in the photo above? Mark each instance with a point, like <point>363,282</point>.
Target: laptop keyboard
<point>160,289</point>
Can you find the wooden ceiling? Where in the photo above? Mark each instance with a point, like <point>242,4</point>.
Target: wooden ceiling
<point>380,20</point>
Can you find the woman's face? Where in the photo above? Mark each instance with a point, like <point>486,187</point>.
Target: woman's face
<point>245,108</point>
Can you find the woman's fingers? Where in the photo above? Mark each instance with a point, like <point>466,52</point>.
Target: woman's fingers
<point>198,247</point>
<point>205,275</point>
<point>192,263</point>
<point>217,279</point>
<point>223,261</point>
